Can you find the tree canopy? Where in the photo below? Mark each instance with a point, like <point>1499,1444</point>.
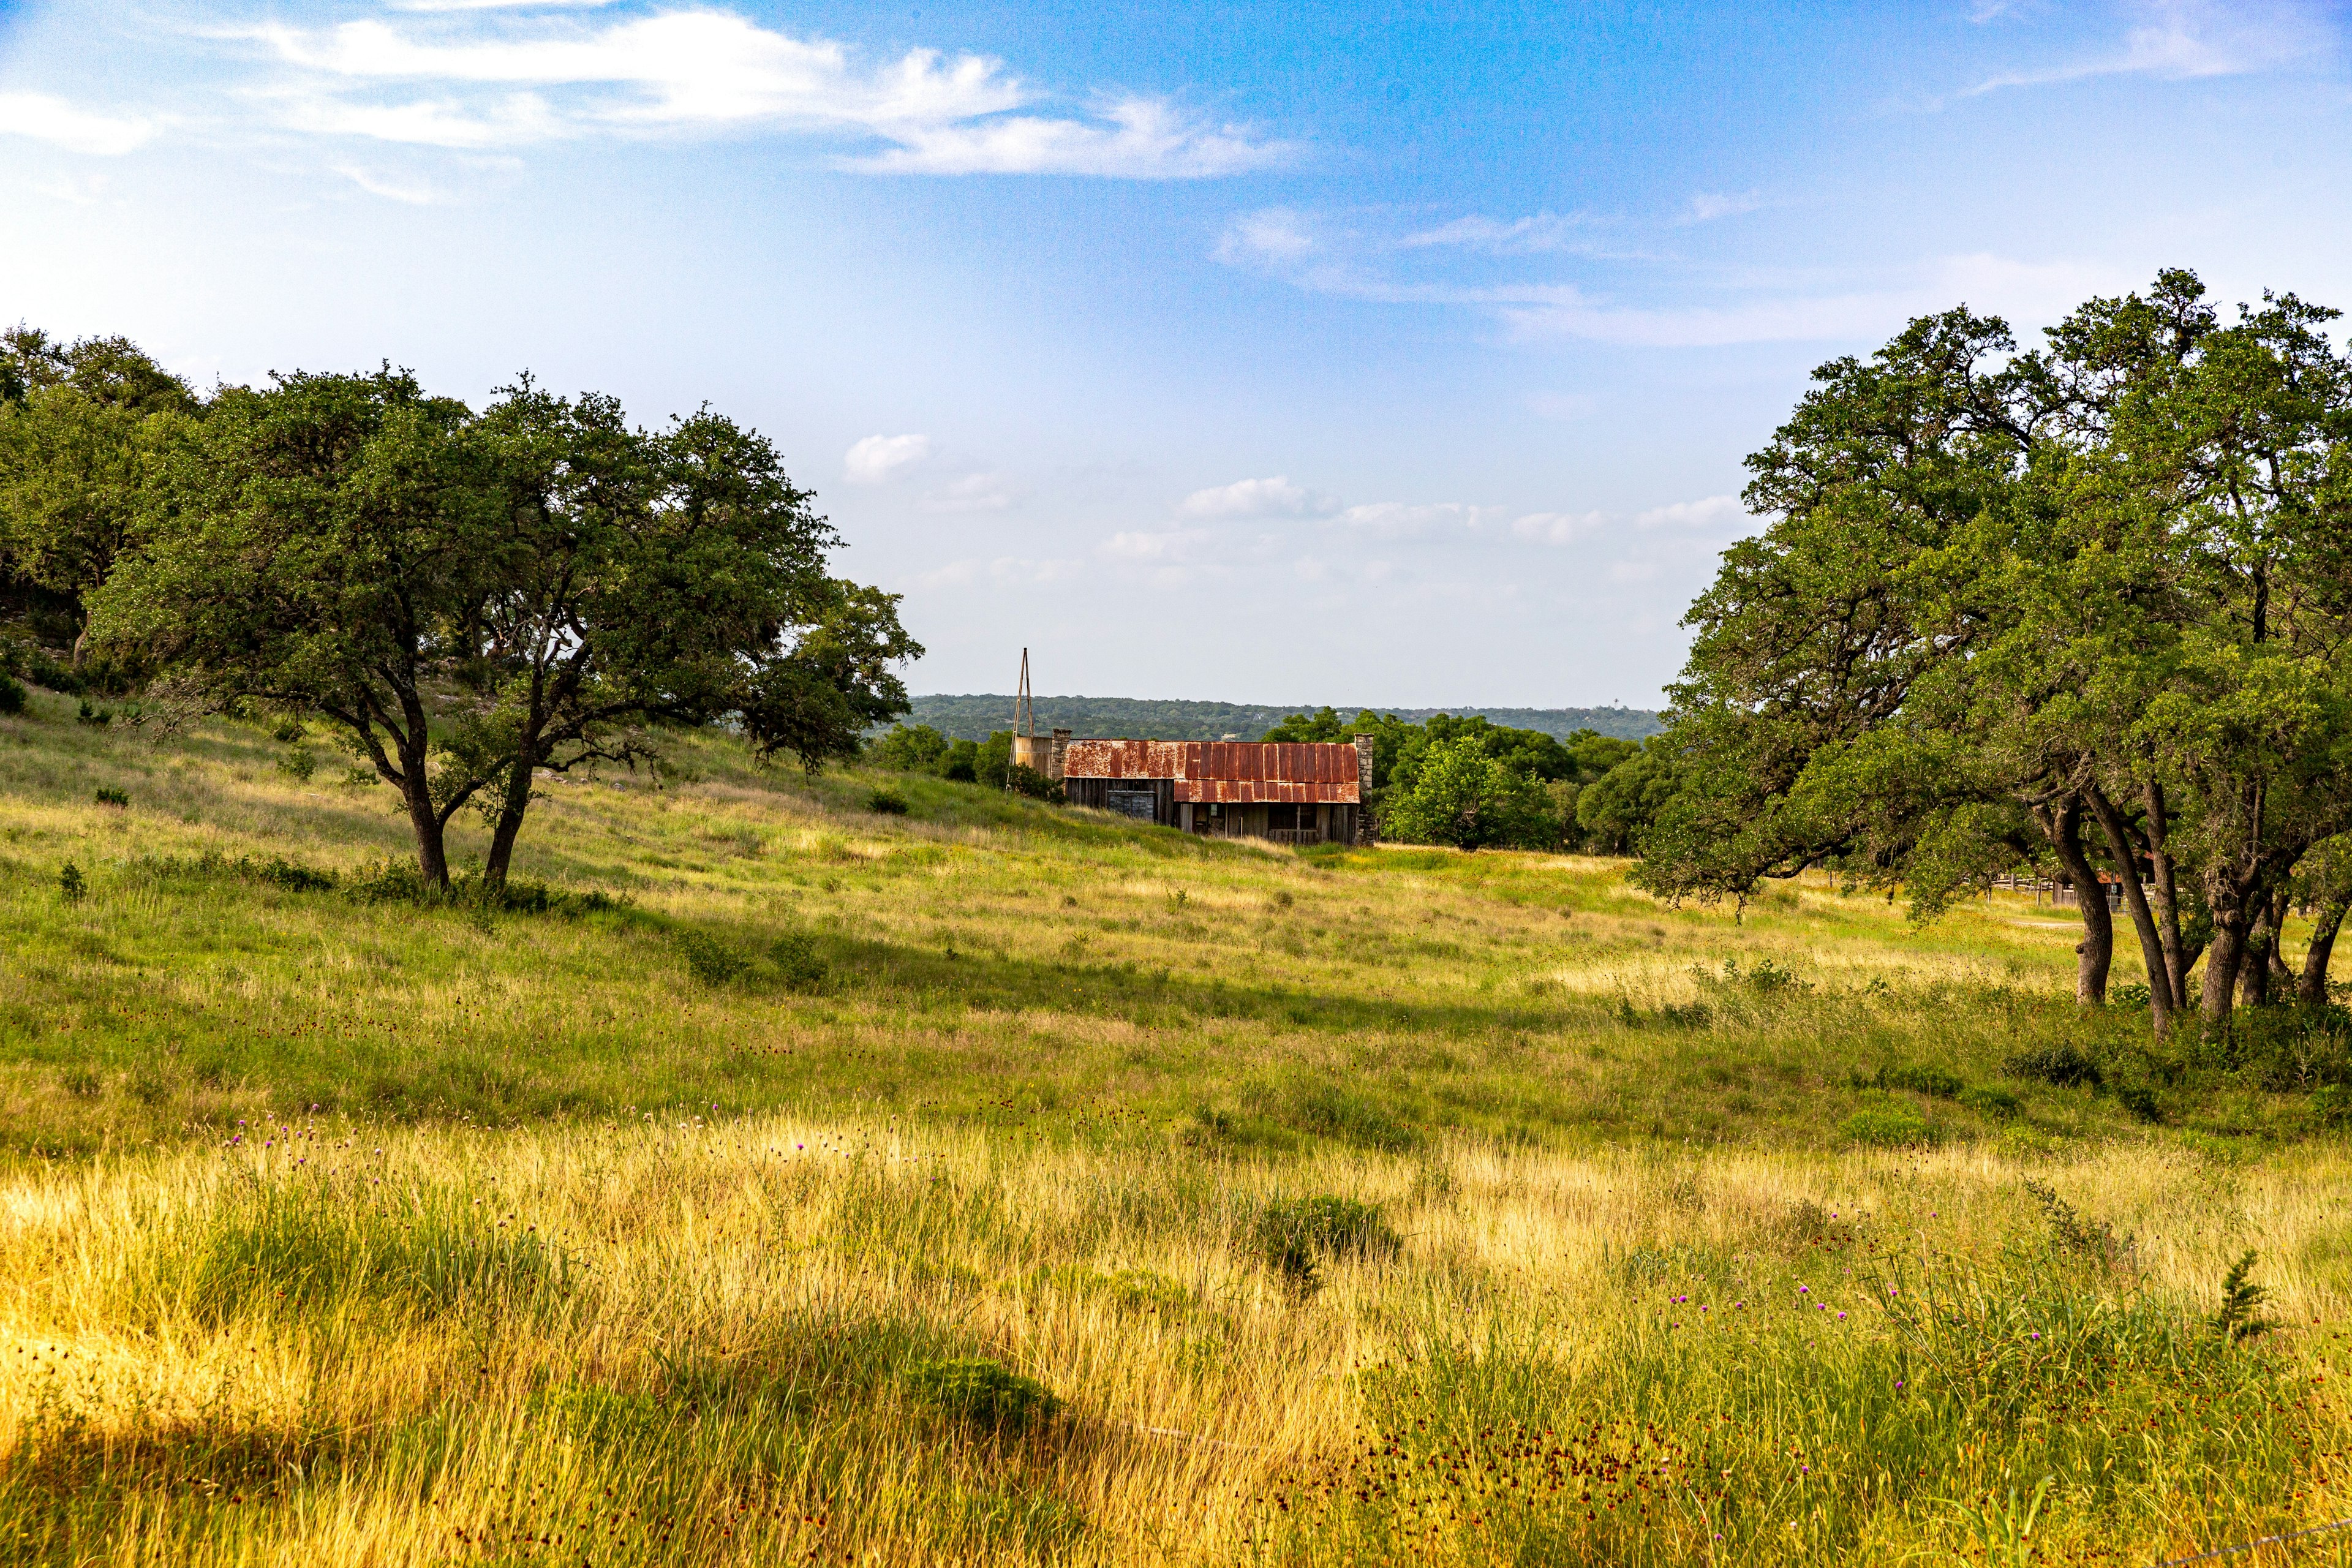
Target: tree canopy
<point>2082,604</point>
<point>477,600</point>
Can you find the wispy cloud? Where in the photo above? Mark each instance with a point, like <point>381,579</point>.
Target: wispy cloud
<point>2182,40</point>
<point>1494,236</point>
<point>46,117</point>
<point>392,188</point>
<point>462,79</point>
<point>1557,527</point>
<point>1707,205</point>
<point>974,492</point>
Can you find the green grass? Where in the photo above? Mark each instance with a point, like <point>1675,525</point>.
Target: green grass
<point>770,1179</point>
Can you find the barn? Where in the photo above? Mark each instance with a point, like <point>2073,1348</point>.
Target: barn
<point>1290,794</point>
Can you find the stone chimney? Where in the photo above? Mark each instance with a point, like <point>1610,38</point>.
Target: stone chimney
<point>1054,757</point>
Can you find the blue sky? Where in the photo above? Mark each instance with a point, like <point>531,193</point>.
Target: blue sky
<point>1262,352</point>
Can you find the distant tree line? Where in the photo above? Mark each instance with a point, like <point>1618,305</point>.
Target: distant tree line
<point>974,717</point>
<point>2084,608</point>
<point>474,599</point>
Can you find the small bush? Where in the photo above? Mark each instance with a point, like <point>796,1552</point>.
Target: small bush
<point>799,965</point>
<point>71,883</point>
<point>98,718</point>
<point>298,764</point>
<point>2094,1241</point>
<point>393,882</point>
<point>983,1392</point>
<point>1292,1234</point>
<point>288,733</point>
<point>711,961</point>
<point>107,794</point>
<point>2063,1066</point>
<point>1887,1127</point>
<point>1022,779</point>
<point>2331,1105</point>
<point>2140,1102</point>
<point>1939,1083</point>
<point>887,803</point>
<point>960,770</point>
<point>12,694</point>
<point>1993,1102</point>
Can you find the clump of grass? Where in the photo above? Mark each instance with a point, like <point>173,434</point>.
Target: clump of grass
<point>887,803</point>
<point>2140,1102</point>
<point>983,1393</point>
<point>1939,1083</point>
<point>107,794</point>
<point>2063,1066</point>
<point>1993,1102</point>
<point>1890,1126</point>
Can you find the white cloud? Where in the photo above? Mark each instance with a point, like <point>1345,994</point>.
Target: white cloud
<point>1707,205</point>
<point>873,459</point>
<point>1633,571</point>
<point>1275,497</point>
<point>1273,235</point>
<point>2184,40</point>
<point>46,117</point>
<point>1493,236</point>
<point>1557,527</point>
<point>711,71</point>
<point>1711,511</point>
<point>974,492</point>
<point>1168,544</point>
<point>1389,517</point>
<point>494,4</point>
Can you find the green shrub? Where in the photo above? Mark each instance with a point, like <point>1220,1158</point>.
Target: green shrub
<point>799,965</point>
<point>1887,1127</point>
<point>2331,1105</point>
<point>711,961</point>
<point>1940,1083</point>
<point>71,883</point>
<point>12,694</point>
<point>298,764</point>
<point>1022,779</point>
<point>2063,1066</point>
<point>983,1392</point>
<point>107,794</point>
<point>1292,1234</point>
<point>1993,1102</point>
<point>2140,1102</point>
<point>887,803</point>
<point>98,718</point>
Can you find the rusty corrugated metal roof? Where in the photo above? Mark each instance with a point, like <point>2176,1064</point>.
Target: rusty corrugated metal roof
<point>1239,773</point>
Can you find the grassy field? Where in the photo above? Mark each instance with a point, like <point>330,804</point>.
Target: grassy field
<point>788,1183</point>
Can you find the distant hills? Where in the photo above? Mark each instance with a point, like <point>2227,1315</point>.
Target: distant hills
<point>973,717</point>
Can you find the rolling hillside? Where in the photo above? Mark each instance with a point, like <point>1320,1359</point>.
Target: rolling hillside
<point>973,717</point>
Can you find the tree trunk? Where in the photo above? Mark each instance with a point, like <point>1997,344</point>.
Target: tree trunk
<point>2097,951</point>
<point>2121,850</point>
<point>82,640</point>
<point>2177,956</point>
<point>432,854</point>
<point>2225,957</point>
<point>510,824</point>
<point>2311,985</point>
<point>2254,966</point>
